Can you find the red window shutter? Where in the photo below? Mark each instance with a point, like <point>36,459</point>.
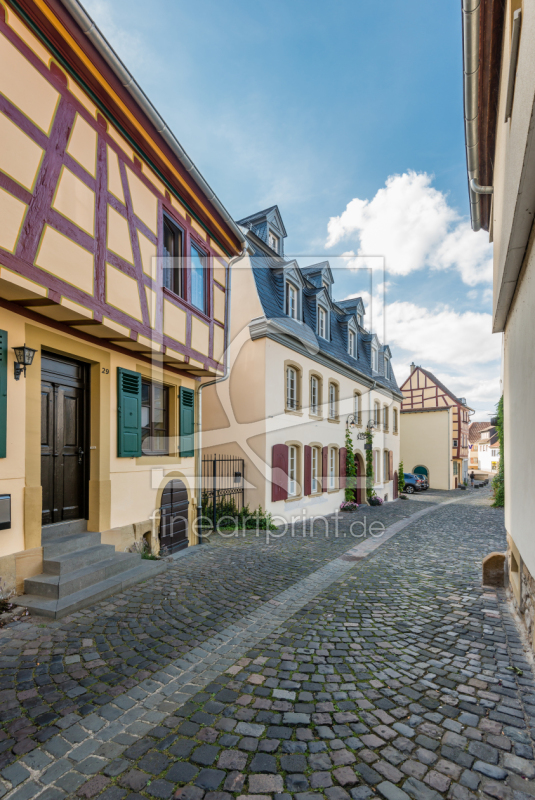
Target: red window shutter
<point>324,468</point>
<point>279,472</point>
<point>342,468</point>
<point>307,488</point>
<point>390,465</point>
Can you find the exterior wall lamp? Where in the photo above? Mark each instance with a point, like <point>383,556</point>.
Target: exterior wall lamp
<point>23,358</point>
<point>351,422</point>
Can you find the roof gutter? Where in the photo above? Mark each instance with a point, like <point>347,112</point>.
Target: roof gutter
<point>471,22</point>
<point>114,62</point>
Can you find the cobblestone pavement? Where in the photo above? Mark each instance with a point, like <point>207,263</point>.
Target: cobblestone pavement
<point>304,667</point>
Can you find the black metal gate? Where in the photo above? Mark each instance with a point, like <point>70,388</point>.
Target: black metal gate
<point>223,486</point>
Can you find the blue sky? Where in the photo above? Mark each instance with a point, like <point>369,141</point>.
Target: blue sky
<point>313,106</point>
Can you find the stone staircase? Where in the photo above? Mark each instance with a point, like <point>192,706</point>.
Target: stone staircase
<point>78,570</point>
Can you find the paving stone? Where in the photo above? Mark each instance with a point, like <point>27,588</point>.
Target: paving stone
<point>390,791</point>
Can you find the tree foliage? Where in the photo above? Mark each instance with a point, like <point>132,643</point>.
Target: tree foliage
<point>401,477</point>
<point>498,482</point>
<point>370,492</point>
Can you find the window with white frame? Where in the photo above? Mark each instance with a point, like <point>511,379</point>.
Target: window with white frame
<point>385,418</point>
<point>332,467</point>
<point>375,359</point>
<point>376,476</point>
<point>291,389</point>
<point>359,320</point>
<point>332,401</point>
<point>387,367</point>
<point>376,414</point>
<point>322,322</point>
<point>315,470</point>
<point>292,471</point>
<point>386,465</point>
<point>395,420</point>
<point>273,241</point>
<point>455,442</point>
<point>314,395</point>
<point>357,408</point>
<point>352,344</point>
<point>292,298</point>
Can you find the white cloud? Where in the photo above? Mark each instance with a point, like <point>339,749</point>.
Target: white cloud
<point>458,348</point>
<point>411,225</point>
<point>129,46</point>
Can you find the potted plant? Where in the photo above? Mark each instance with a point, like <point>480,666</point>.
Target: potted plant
<point>349,505</point>
<point>374,500</point>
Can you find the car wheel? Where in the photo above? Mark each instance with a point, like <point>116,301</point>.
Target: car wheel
<point>409,489</point>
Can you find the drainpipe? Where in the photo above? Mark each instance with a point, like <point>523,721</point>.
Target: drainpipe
<point>471,15</point>
<point>474,185</point>
<point>198,449</point>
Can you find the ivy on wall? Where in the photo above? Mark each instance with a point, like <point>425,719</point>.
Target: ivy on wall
<point>370,492</point>
<point>401,477</point>
<point>351,469</point>
<point>498,482</point>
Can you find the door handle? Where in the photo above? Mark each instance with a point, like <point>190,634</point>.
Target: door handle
<point>80,455</point>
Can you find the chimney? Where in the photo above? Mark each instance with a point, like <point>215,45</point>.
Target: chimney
<point>413,367</point>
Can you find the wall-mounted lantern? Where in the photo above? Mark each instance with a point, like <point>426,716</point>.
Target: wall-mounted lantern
<point>23,358</point>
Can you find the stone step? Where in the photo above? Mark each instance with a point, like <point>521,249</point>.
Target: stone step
<point>78,559</point>
<point>69,544</point>
<point>56,608</point>
<point>58,586</point>
<point>69,526</point>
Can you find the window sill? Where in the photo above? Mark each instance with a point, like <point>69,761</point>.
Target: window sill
<point>154,460</point>
<point>332,491</point>
<point>293,413</point>
<point>294,498</point>
<point>336,420</point>
<point>315,416</point>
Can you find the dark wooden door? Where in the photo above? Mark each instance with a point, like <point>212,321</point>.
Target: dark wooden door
<point>64,436</point>
<point>174,517</point>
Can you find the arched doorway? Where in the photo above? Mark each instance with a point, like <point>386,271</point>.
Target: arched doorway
<point>360,490</point>
<point>174,517</point>
<point>421,470</point>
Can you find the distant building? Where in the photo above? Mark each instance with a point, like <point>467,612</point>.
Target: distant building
<point>420,436</point>
<point>484,448</point>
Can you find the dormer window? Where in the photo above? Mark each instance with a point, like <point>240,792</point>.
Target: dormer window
<point>387,367</point>
<point>375,360</point>
<point>352,344</point>
<point>273,241</point>
<point>360,320</point>
<point>291,300</point>
<point>322,322</point>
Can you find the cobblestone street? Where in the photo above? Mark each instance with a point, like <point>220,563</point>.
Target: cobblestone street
<point>284,666</point>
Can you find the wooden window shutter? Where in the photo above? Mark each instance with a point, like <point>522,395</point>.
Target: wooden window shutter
<point>307,483</point>
<point>324,468</point>
<point>128,413</point>
<point>279,472</point>
<point>187,422</point>
<point>342,468</point>
<point>3,393</point>
<point>390,465</point>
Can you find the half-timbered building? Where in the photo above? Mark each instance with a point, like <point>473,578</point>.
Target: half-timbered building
<point>114,256</point>
<point>423,392</point>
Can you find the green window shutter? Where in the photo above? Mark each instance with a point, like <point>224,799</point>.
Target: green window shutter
<point>3,393</point>
<point>128,413</point>
<point>187,422</point>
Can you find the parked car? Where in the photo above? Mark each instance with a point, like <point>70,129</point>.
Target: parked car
<point>425,482</point>
<point>413,483</point>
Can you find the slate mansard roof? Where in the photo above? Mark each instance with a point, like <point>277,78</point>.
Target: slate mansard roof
<point>271,271</point>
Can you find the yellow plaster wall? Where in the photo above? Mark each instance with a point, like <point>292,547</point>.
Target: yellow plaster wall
<point>16,24</point>
<point>200,336</point>
<point>21,83</point>
<point>426,441</point>
<point>76,201</point>
<point>122,292</point>
<point>20,156</point>
<point>148,255</point>
<point>62,257</point>
<point>12,212</point>
<point>174,322</point>
<point>151,304</point>
<point>119,241</point>
<point>82,145</point>
<point>145,203</point>
<point>219,343</point>
<point>115,185</point>
<point>219,304</point>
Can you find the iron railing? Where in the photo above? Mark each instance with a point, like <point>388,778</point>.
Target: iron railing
<point>222,486</point>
